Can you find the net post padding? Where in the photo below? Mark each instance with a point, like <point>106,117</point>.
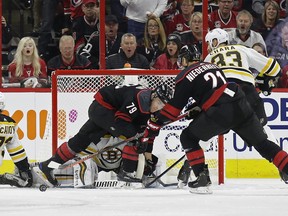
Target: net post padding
<point>81,84</point>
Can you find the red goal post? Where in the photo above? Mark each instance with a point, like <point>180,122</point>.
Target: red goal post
<point>73,91</point>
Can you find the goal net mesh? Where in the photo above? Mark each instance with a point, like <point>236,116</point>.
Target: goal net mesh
<point>73,91</point>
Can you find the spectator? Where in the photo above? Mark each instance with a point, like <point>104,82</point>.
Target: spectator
<point>283,80</point>
<point>277,43</point>
<point>170,11</point>
<point>268,20</point>
<point>212,5</point>
<point>243,34</point>
<point>128,57</point>
<point>154,42</point>
<point>139,11</point>
<point>224,17</point>
<point>180,22</point>
<point>168,60</point>
<point>28,64</point>
<point>6,35</point>
<point>45,37</point>
<point>67,59</point>
<point>113,40</point>
<point>118,10</point>
<point>258,7</point>
<point>195,34</point>
<point>72,10</point>
<point>260,48</point>
<point>36,17</point>
<point>86,25</point>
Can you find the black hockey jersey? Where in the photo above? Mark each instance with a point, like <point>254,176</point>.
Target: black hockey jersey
<point>204,82</point>
<point>131,103</point>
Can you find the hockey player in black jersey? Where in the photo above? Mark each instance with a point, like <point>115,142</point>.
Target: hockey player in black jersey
<point>10,141</point>
<point>221,106</point>
<point>116,110</point>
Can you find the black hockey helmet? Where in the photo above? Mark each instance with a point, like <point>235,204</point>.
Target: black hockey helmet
<point>190,53</point>
<point>164,92</point>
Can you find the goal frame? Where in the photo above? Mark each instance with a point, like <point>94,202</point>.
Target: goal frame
<point>54,110</point>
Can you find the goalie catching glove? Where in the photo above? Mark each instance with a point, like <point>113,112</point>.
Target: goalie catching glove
<point>265,84</point>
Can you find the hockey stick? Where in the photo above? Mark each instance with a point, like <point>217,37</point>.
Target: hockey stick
<point>56,165</point>
<point>162,183</point>
<point>164,172</point>
<point>96,153</point>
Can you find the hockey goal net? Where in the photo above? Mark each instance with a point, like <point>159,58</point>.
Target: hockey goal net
<point>72,94</point>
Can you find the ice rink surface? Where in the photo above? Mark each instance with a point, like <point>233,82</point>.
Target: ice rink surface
<point>234,198</point>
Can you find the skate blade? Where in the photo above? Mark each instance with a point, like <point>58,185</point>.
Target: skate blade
<point>201,190</point>
<point>130,185</point>
<point>42,177</point>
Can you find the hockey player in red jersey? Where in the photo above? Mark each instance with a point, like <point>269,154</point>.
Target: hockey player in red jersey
<point>221,106</point>
<point>116,110</point>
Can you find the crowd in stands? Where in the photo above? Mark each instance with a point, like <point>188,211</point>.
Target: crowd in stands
<point>146,34</point>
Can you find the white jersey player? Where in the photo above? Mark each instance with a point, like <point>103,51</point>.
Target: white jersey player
<point>236,62</point>
<point>9,140</point>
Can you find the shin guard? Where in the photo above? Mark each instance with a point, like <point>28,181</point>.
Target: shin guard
<point>196,160</point>
<point>129,158</point>
<point>281,161</point>
<point>64,153</point>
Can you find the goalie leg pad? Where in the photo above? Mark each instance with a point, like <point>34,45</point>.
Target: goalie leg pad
<point>85,174</point>
<point>12,180</point>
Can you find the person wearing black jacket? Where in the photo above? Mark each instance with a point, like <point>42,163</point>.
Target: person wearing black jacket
<point>127,57</point>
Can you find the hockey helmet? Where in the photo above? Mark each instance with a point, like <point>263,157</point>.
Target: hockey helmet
<point>164,92</point>
<point>2,101</point>
<point>219,34</point>
<point>190,53</point>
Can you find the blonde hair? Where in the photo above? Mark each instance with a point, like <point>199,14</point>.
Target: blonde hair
<point>162,34</point>
<point>195,14</point>
<point>275,6</point>
<point>65,38</point>
<point>18,58</point>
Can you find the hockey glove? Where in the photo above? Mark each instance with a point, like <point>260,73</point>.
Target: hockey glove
<point>193,113</point>
<point>265,84</point>
<point>141,145</point>
<point>27,176</point>
<point>152,129</point>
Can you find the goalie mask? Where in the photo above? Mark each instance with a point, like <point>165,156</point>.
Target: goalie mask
<point>164,93</point>
<point>2,101</point>
<point>216,37</point>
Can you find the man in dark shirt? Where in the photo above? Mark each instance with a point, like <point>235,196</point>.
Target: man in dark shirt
<point>67,59</point>
<point>128,57</point>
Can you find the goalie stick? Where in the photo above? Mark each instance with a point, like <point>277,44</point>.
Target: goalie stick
<point>157,178</point>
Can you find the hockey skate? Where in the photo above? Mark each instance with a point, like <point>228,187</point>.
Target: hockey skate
<point>46,174</point>
<point>284,177</point>
<point>202,184</point>
<point>183,175</point>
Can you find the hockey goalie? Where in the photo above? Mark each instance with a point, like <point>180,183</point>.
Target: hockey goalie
<point>100,171</point>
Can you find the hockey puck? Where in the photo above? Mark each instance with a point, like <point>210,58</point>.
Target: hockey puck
<point>43,188</point>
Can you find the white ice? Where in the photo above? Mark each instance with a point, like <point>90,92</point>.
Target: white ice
<point>234,198</point>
